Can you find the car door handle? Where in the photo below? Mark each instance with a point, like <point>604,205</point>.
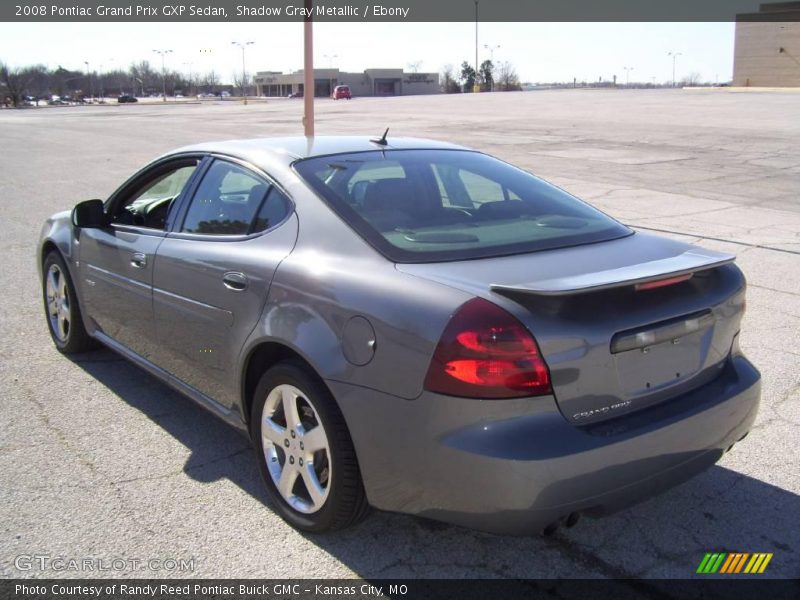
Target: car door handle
<point>138,260</point>
<point>235,281</point>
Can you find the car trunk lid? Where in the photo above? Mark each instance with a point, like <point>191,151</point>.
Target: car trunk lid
<point>615,338</point>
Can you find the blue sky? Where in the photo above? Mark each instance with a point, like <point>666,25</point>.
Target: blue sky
<point>540,51</point>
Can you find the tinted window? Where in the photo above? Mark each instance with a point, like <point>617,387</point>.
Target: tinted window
<point>231,200</point>
<point>273,210</point>
<point>427,205</point>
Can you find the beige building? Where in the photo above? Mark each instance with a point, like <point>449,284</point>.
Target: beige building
<point>372,82</point>
<point>767,52</point>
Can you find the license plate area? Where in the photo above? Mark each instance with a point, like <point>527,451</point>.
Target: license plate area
<point>656,357</point>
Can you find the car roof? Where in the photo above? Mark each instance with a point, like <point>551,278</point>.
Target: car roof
<point>290,149</point>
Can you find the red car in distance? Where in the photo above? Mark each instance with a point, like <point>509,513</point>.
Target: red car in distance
<point>341,91</point>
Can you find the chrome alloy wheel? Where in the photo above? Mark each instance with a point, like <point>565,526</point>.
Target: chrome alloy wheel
<point>58,307</point>
<point>296,449</point>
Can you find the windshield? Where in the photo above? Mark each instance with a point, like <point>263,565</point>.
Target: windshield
<point>437,205</point>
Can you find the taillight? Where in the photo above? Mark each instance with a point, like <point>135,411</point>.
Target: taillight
<point>659,283</point>
<point>485,352</point>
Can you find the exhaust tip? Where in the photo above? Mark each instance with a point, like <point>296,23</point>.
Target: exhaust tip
<point>572,519</point>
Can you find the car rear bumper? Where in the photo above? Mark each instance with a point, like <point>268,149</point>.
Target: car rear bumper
<point>515,466</point>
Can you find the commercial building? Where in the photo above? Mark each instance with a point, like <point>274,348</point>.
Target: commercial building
<point>372,82</point>
<point>767,52</point>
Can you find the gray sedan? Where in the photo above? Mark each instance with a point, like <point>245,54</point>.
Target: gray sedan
<point>412,326</point>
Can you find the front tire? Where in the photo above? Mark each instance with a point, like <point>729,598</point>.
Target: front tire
<point>63,314</point>
<point>304,451</point>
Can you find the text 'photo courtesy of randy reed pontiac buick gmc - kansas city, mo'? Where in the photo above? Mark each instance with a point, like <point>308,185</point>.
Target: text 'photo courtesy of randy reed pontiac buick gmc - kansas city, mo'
<point>412,326</point>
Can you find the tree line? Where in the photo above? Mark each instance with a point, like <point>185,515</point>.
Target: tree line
<point>501,77</point>
<point>139,79</point>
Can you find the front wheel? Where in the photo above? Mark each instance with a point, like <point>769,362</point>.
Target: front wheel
<point>304,451</point>
<point>61,308</point>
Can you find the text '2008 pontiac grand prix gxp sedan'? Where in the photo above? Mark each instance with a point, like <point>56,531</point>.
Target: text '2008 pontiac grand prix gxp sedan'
<point>413,326</point>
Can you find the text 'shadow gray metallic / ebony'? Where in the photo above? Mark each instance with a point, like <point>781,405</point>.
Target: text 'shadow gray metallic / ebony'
<point>411,325</point>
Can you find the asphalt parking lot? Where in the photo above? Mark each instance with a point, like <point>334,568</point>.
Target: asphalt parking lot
<point>97,459</point>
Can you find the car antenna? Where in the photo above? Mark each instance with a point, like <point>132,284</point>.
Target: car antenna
<point>382,141</point>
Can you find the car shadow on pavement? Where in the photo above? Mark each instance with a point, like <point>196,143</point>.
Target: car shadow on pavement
<point>664,537</point>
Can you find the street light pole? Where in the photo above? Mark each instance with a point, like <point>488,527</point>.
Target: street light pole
<point>674,56</point>
<point>491,50</point>
<point>627,75</point>
<point>89,78</point>
<point>330,67</point>
<point>190,76</point>
<point>243,45</point>
<point>163,53</point>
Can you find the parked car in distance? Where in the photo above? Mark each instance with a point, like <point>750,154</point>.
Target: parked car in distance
<point>341,92</point>
<point>126,98</point>
<point>411,325</point>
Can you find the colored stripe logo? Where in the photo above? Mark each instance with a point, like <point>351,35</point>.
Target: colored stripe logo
<point>730,563</point>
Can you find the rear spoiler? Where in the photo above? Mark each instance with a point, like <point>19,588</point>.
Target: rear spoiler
<point>688,263</point>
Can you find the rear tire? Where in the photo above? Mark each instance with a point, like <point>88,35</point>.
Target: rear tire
<point>304,451</point>
<point>61,308</point>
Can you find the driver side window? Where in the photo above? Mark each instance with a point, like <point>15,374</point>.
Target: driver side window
<point>150,204</point>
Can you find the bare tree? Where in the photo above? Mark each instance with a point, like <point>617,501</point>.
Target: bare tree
<point>241,80</point>
<point>38,81</point>
<point>414,67</point>
<point>507,79</point>
<point>210,81</point>
<point>691,79</point>
<point>16,82</point>
<point>449,81</point>
<point>146,76</point>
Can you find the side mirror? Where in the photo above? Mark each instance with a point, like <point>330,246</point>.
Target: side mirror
<point>89,214</point>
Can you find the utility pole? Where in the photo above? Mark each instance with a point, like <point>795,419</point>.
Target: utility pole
<point>674,56</point>
<point>163,53</point>
<point>243,45</point>
<point>308,72</point>
<point>491,50</point>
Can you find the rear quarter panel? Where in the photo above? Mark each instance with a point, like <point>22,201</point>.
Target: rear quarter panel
<point>332,276</point>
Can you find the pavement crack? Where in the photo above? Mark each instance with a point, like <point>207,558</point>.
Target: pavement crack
<point>219,459</point>
<point>185,470</point>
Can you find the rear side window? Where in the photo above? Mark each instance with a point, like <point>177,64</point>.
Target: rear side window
<point>274,209</point>
<point>432,205</point>
<point>231,200</point>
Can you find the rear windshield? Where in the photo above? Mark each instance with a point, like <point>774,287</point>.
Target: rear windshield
<point>438,205</point>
